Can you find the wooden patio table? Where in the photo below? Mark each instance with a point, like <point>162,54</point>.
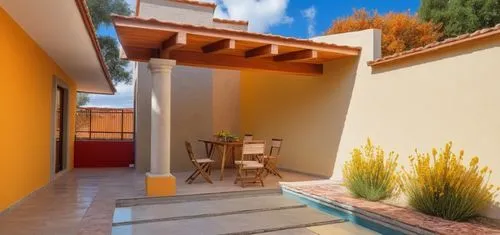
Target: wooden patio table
<point>223,147</point>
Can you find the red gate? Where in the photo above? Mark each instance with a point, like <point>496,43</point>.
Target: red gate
<point>104,137</point>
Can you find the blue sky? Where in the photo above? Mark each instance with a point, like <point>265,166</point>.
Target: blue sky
<point>329,10</point>
<point>293,18</point>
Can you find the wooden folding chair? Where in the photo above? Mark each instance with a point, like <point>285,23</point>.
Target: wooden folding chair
<point>271,161</point>
<point>202,165</point>
<point>247,137</point>
<point>246,164</point>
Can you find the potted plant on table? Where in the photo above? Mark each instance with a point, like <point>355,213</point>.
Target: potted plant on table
<point>225,136</point>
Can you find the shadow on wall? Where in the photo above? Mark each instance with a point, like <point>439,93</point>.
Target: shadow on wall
<point>344,71</point>
<point>430,57</point>
<point>307,112</point>
<point>191,113</point>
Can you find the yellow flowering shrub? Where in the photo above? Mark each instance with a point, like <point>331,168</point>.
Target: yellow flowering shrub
<point>370,174</point>
<point>439,184</point>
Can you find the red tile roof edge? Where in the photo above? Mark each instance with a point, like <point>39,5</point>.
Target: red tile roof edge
<point>227,21</point>
<point>482,33</point>
<point>196,3</point>
<point>278,37</point>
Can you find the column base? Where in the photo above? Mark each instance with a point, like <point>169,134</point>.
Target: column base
<point>160,185</point>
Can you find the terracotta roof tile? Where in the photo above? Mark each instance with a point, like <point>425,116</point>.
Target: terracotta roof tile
<point>482,33</point>
<point>196,3</point>
<point>227,21</point>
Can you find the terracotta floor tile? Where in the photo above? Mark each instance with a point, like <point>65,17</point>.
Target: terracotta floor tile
<point>83,201</point>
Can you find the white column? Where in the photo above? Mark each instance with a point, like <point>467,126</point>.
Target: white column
<point>161,70</point>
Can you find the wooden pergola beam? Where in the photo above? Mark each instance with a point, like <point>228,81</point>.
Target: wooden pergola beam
<point>222,61</point>
<point>176,41</point>
<point>263,51</point>
<point>224,44</point>
<point>297,56</point>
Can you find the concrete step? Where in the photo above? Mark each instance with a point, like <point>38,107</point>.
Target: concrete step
<point>197,209</point>
<point>246,223</point>
<point>127,202</point>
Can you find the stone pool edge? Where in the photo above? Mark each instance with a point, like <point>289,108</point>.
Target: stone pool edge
<point>381,219</point>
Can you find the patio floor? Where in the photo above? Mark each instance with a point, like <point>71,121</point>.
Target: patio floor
<point>83,201</point>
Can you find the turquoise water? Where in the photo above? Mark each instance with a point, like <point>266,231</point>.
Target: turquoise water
<point>369,224</point>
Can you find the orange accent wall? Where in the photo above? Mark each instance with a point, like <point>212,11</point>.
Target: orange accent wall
<point>26,75</point>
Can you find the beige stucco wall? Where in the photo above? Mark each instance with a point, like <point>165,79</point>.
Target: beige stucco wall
<point>230,26</point>
<point>191,113</point>
<point>183,13</point>
<point>449,95</point>
<point>307,112</point>
<point>429,100</point>
<point>176,12</point>
<point>226,100</point>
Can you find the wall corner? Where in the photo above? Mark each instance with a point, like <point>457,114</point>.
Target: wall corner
<point>377,43</point>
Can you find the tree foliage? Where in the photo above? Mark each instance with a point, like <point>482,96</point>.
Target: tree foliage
<point>116,66</point>
<point>461,16</point>
<point>100,11</point>
<point>400,31</point>
<point>82,99</point>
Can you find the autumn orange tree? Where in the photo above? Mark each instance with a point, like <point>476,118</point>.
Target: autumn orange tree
<point>400,31</point>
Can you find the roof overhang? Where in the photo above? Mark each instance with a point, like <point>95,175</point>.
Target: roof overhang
<point>437,46</point>
<point>143,39</point>
<point>63,29</point>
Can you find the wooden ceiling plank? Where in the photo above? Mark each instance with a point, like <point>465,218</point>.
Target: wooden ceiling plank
<point>224,44</point>
<point>297,56</point>
<point>223,61</point>
<point>263,51</point>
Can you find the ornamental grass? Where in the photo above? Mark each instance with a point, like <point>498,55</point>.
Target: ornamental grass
<point>439,184</point>
<point>370,174</point>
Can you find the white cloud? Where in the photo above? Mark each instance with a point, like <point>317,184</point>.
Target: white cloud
<point>261,14</point>
<point>310,15</point>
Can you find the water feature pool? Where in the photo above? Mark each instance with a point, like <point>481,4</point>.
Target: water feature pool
<point>352,217</point>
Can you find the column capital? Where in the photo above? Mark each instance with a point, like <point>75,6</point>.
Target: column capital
<point>158,65</point>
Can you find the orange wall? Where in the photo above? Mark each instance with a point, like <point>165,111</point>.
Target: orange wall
<point>26,74</point>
